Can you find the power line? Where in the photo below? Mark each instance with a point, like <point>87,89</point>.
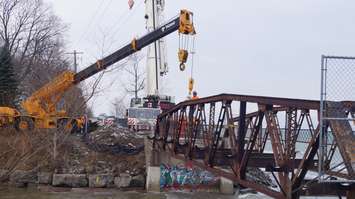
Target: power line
<point>123,20</point>
<point>92,19</point>
<point>96,14</point>
<point>106,8</point>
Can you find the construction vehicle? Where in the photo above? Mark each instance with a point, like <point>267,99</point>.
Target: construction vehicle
<point>41,107</point>
<point>142,113</point>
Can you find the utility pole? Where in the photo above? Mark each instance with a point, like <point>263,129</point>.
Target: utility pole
<point>75,53</point>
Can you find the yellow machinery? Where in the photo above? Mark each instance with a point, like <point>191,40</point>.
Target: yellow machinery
<point>7,116</point>
<point>41,109</point>
<point>41,106</point>
<point>186,28</point>
<point>191,85</point>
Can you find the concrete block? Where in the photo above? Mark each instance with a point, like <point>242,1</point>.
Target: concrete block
<point>226,186</point>
<point>148,151</point>
<point>123,180</point>
<point>3,172</point>
<point>137,181</point>
<point>26,177</point>
<point>153,179</point>
<point>101,180</point>
<point>70,180</point>
<point>44,177</point>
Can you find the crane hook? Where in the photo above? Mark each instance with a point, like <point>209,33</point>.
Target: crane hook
<point>182,66</point>
<point>182,54</point>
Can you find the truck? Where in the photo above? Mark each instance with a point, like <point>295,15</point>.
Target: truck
<point>142,113</point>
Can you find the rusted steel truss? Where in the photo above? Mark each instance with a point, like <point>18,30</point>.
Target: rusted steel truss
<point>227,134</point>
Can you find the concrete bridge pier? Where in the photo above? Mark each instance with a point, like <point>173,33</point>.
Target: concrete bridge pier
<point>153,160</point>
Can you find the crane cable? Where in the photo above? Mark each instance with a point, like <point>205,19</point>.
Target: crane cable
<point>185,48</point>
<point>191,79</point>
<point>192,55</point>
<point>193,51</point>
<point>124,18</point>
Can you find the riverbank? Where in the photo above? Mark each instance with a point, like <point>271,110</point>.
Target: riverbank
<point>107,157</point>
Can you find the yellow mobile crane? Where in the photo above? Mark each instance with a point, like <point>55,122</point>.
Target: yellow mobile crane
<point>40,108</point>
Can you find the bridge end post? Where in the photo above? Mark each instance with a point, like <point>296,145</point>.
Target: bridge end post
<point>226,186</point>
<point>153,179</point>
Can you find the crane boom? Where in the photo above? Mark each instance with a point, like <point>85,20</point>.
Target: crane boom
<point>182,23</point>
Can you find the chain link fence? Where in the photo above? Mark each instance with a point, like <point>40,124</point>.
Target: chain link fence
<point>336,119</point>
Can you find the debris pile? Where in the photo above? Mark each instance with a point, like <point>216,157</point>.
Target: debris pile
<point>258,176</point>
<point>109,150</point>
<point>115,140</point>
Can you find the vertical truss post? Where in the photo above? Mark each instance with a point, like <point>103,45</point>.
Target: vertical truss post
<point>209,135</point>
<point>166,130</point>
<point>181,128</point>
<point>291,132</point>
<point>176,130</point>
<point>217,133</point>
<point>196,121</point>
<point>241,130</point>
<point>156,132</point>
<point>241,137</point>
<point>306,162</point>
<point>211,123</point>
<point>232,139</point>
<point>204,122</point>
<point>274,132</point>
<point>279,150</point>
<point>255,131</point>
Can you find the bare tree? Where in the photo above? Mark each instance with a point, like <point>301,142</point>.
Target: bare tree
<point>104,44</point>
<point>35,38</point>
<point>119,106</point>
<point>133,85</point>
<point>137,77</point>
<point>33,33</point>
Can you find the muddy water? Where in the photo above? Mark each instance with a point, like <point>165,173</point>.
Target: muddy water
<point>33,193</point>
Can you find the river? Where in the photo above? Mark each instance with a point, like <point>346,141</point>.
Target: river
<point>33,193</point>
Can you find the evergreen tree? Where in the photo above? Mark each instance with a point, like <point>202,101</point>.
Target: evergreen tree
<point>8,83</point>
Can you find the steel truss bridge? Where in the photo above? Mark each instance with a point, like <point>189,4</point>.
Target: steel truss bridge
<point>228,133</point>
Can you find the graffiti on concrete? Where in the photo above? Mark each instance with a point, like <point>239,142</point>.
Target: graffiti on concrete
<point>177,176</point>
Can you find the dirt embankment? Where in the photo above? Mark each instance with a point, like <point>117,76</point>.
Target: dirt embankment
<point>108,150</point>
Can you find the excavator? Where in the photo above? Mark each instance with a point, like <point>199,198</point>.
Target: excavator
<point>40,109</point>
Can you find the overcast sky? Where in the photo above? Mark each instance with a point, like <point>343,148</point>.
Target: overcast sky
<point>264,47</point>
